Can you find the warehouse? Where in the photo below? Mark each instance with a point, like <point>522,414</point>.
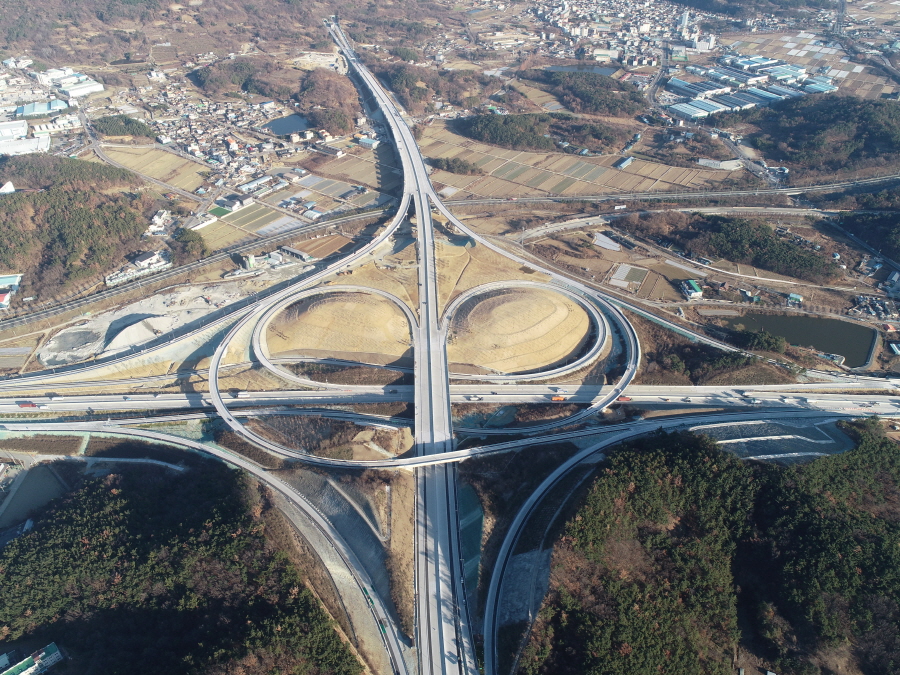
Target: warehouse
<point>82,89</point>
<point>15,129</point>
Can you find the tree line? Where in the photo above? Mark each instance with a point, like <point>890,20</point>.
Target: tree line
<point>739,240</point>
<point>147,571</point>
<point>675,539</point>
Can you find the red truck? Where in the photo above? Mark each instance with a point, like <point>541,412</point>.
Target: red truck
<point>26,404</point>
<point>624,398</point>
<point>557,398</point>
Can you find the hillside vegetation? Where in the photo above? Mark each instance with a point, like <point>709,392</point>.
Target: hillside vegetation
<point>676,540</point>
<point>253,76</point>
<point>825,134</point>
<point>148,572</point>
<point>540,132</point>
<point>739,240</point>
<point>122,125</point>
<point>415,86</point>
<point>754,8</point>
<point>77,228</point>
<point>591,92</point>
<point>55,31</point>
<point>879,230</point>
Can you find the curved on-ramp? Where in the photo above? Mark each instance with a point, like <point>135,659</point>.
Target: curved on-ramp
<point>260,349</point>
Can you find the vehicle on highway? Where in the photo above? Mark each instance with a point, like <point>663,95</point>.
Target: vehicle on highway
<point>624,398</point>
<point>557,398</point>
<point>26,404</point>
<point>242,394</point>
<point>474,398</point>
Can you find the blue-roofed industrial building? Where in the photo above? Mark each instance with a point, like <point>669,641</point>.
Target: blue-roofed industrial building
<point>709,106</point>
<point>688,112</point>
<point>41,109</point>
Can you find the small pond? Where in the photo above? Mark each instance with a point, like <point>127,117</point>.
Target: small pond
<point>850,340</point>
<point>288,125</point>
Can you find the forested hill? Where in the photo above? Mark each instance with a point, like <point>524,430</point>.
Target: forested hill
<point>39,171</point>
<point>79,227</point>
<point>152,572</point>
<point>540,132</point>
<point>591,92</point>
<point>753,8</point>
<point>825,134</point>
<point>681,557</point>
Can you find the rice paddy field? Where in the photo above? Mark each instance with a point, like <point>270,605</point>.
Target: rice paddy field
<point>377,169</point>
<point>820,57</point>
<point>513,173</point>
<point>159,164</point>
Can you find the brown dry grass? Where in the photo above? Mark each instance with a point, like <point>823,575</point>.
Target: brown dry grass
<point>340,322</point>
<point>401,549</point>
<point>43,444</point>
<point>517,331</point>
<point>362,375</point>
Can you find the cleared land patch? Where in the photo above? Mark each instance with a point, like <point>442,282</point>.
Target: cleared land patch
<point>356,326</point>
<point>463,264</point>
<point>164,166</point>
<point>516,331</point>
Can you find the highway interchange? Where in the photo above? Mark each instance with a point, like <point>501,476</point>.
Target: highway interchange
<point>444,641</point>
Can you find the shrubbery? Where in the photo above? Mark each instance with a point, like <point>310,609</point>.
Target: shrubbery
<point>122,125</point>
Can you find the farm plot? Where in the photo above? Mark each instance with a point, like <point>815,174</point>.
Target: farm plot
<point>163,166</point>
<point>253,218</point>
<point>220,234</point>
<point>513,173</point>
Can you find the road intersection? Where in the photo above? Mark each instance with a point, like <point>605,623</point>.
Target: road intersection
<point>444,643</point>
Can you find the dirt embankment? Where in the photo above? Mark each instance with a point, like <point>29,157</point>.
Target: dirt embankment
<point>326,437</point>
<point>350,375</point>
<point>502,483</point>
